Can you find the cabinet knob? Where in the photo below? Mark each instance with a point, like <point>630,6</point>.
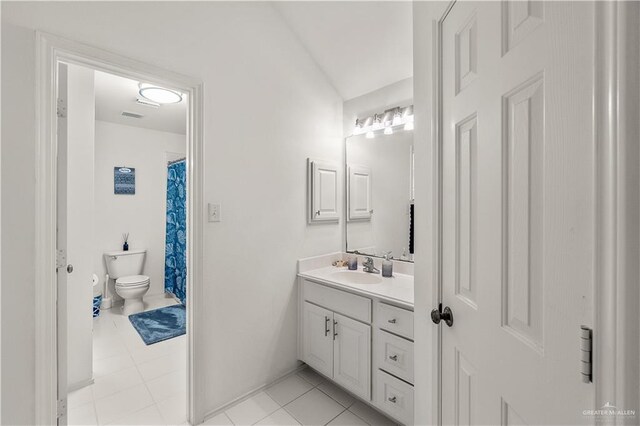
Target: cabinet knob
<point>392,321</point>
<point>394,357</point>
<point>318,213</point>
<point>393,399</point>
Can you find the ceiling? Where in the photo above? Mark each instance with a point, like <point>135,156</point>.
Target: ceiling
<point>360,45</point>
<point>116,94</point>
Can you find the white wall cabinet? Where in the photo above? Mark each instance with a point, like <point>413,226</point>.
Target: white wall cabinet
<point>359,196</point>
<point>322,191</point>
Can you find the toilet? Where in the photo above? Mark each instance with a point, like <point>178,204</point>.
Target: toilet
<point>126,268</point>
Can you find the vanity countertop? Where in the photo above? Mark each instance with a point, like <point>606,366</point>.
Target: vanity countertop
<point>398,288</point>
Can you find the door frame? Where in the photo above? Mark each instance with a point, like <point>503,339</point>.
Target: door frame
<point>50,50</point>
<point>616,108</point>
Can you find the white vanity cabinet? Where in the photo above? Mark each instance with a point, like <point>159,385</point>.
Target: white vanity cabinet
<point>363,343</point>
<point>334,344</point>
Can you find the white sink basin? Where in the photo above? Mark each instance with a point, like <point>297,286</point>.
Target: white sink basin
<point>356,277</point>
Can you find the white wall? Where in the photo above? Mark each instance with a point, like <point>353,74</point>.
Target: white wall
<point>143,214</point>
<point>18,236</point>
<point>388,157</point>
<point>397,94</point>
<point>267,108</point>
<point>80,224</point>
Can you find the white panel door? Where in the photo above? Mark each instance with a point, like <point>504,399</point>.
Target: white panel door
<point>317,336</point>
<point>324,192</point>
<point>359,196</point>
<point>352,355</point>
<point>80,224</point>
<point>517,211</point>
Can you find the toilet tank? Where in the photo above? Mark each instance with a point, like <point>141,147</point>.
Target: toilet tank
<point>124,263</point>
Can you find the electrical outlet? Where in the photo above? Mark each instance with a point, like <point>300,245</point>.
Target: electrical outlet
<point>214,212</point>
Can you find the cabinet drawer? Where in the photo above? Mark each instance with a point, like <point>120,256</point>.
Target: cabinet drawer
<point>394,355</point>
<point>348,304</point>
<point>394,397</point>
<point>395,320</point>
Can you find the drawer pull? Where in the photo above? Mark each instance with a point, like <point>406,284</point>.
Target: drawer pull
<point>392,321</point>
<point>393,399</point>
<point>393,357</point>
<point>335,329</point>
<point>326,326</point>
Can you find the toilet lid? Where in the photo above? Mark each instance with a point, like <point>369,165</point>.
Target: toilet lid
<point>132,280</point>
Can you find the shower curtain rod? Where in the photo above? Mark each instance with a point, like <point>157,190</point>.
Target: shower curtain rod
<point>176,161</point>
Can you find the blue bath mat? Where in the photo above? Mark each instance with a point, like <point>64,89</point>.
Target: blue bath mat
<point>160,324</point>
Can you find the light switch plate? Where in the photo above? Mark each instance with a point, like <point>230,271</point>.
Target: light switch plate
<point>214,213</point>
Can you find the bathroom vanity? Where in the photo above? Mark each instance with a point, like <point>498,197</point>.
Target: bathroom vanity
<point>356,329</point>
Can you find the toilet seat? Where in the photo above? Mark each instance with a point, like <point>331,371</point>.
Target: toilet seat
<point>132,281</point>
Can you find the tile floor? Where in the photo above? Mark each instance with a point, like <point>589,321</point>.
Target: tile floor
<point>305,398</point>
<point>135,384</point>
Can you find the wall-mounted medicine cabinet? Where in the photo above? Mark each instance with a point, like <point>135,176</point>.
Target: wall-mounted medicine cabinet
<point>322,192</point>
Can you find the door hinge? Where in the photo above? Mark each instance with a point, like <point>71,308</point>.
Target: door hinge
<point>586,354</point>
<point>62,408</point>
<point>61,108</point>
<point>61,258</point>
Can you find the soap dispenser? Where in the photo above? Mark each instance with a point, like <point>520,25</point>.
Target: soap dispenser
<point>387,265</point>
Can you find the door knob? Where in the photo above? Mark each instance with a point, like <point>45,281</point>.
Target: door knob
<point>69,268</point>
<point>445,315</point>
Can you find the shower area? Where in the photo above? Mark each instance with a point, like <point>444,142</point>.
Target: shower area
<point>175,265</point>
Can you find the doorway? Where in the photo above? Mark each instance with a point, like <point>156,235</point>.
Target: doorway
<point>122,157</point>
<point>52,318</point>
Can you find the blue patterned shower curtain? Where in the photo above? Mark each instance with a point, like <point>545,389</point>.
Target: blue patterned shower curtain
<point>175,265</point>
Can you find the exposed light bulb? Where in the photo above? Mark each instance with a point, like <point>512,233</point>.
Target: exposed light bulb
<point>388,130</point>
<point>369,134</point>
<point>408,125</point>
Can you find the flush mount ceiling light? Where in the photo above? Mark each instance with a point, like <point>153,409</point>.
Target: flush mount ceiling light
<point>158,94</point>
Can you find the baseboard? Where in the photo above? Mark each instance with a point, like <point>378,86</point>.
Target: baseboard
<point>251,393</point>
<point>79,385</point>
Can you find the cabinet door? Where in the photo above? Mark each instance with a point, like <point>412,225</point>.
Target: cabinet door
<point>359,197</point>
<point>352,355</point>
<point>317,337</point>
<point>323,192</point>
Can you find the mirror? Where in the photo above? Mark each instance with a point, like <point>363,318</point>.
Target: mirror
<point>379,192</point>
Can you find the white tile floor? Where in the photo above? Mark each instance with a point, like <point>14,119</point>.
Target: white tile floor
<point>301,399</point>
<point>135,384</point>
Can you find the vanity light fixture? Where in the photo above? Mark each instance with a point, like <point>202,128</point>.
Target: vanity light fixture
<point>408,117</point>
<point>357,129</point>
<point>394,117</point>
<point>377,123</point>
<point>159,95</point>
<point>397,117</point>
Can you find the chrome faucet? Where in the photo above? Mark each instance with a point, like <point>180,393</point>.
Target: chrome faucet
<point>367,266</point>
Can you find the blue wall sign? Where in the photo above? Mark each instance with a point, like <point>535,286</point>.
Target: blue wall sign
<point>124,180</point>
